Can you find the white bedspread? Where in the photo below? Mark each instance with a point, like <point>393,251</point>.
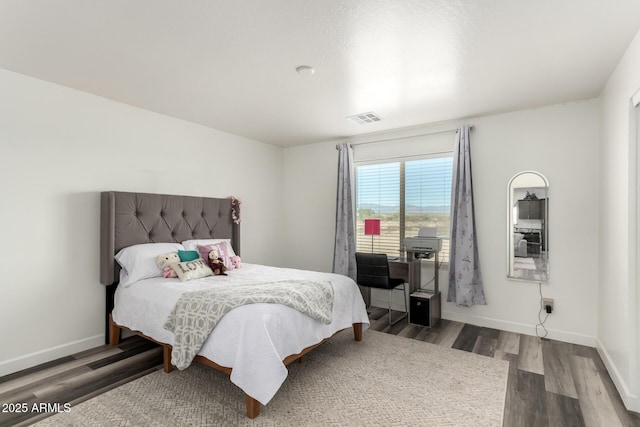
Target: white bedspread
<point>252,339</point>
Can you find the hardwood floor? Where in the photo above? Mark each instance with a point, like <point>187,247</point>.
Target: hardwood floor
<point>74,379</point>
<point>550,383</point>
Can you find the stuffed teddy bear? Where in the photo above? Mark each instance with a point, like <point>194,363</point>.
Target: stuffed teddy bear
<point>166,261</point>
<point>235,260</point>
<point>216,264</point>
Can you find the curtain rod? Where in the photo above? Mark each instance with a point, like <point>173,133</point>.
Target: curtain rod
<point>407,137</point>
<point>437,153</point>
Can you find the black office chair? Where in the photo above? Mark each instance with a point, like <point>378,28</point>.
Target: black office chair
<point>373,272</point>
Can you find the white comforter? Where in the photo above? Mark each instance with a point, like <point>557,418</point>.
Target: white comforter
<point>252,339</point>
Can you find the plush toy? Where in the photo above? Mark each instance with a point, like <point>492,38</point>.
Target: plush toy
<point>213,254</point>
<point>216,264</point>
<point>166,261</point>
<point>235,260</point>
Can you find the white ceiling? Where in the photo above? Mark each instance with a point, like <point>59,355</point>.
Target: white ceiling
<point>231,65</point>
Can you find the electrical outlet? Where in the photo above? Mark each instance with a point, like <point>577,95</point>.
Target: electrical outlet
<point>548,304</point>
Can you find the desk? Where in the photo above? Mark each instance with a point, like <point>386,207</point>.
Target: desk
<point>426,306</point>
<point>410,270</point>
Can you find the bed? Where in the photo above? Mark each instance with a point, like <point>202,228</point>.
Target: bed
<point>252,343</point>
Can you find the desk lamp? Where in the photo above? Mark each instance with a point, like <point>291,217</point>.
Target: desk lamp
<point>371,228</point>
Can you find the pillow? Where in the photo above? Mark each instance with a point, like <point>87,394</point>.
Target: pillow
<point>188,255</point>
<point>192,245</point>
<point>139,261</point>
<point>204,251</point>
<point>223,253</point>
<point>190,270</point>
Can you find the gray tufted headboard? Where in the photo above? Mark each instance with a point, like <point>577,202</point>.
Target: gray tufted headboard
<point>132,218</point>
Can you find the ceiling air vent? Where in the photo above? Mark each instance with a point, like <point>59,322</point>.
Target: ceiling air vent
<point>363,118</point>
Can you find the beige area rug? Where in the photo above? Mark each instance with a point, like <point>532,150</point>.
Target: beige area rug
<point>383,380</point>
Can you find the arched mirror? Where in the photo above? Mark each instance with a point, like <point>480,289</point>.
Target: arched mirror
<point>528,227</point>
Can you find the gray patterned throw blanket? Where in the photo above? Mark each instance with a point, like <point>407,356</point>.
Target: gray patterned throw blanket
<point>196,313</point>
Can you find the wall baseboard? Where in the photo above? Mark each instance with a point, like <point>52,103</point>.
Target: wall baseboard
<point>631,401</point>
<point>379,300</point>
<point>520,328</point>
<point>47,355</point>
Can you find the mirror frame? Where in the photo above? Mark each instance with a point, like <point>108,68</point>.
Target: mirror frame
<point>510,240</point>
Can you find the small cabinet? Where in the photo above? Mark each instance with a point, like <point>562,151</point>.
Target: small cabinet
<point>424,308</point>
<point>531,209</point>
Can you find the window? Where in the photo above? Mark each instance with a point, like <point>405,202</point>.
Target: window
<point>405,195</point>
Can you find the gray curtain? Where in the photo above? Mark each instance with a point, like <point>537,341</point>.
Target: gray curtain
<point>344,253</point>
<point>465,281</point>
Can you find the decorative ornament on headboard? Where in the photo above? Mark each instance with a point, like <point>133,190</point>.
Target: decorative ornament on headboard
<point>235,209</point>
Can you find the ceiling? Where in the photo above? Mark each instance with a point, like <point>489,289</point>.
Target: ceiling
<point>231,65</point>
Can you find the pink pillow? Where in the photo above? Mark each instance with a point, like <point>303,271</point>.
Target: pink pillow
<point>204,251</point>
<point>223,253</point>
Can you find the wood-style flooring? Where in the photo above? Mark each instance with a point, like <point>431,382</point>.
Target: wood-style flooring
<point>550,383</point>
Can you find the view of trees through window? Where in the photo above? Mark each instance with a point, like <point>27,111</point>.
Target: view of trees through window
<point>404,195</point>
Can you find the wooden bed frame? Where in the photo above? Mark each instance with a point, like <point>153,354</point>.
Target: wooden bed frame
<point>133,218</point>
<point>252,405</point>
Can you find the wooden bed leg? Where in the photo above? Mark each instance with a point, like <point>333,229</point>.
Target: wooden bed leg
<point>253,407</point>
<point>166,358</point>
<point>114,332</point>
<point>357,331</point>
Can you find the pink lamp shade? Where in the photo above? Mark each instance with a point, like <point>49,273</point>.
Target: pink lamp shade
<point>372,227</point>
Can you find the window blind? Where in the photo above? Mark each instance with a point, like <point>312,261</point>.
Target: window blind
<point>428,198</point>
<point>378,196</point>
<point>405,195</point>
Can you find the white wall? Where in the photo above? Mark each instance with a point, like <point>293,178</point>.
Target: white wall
<point>58,149</point>
<point>310,184</point>
<point>560,141</point>
<point>618,294</point>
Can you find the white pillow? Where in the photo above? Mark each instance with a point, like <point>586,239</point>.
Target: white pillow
<point>192,245</point>
<point>190,270</point>
<point>139,261</point>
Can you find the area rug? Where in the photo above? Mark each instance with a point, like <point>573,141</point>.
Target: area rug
<point>524,264</point>
<point>384,380</point>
